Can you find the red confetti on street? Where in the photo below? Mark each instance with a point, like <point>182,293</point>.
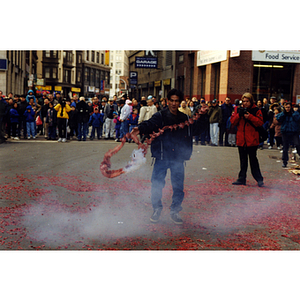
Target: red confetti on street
<point>98,217</point>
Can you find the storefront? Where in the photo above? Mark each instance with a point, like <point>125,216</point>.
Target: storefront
<point>273,74</point>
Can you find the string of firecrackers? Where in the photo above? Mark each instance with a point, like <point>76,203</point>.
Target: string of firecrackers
<point>106,163</point>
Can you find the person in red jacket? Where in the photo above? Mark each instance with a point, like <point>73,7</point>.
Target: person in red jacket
<point>246,118</point>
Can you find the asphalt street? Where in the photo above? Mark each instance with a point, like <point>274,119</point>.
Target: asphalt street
<point>54,197</point>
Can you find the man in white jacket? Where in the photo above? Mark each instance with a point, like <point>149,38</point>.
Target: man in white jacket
<point>125,113</point>
<point>147,111</point>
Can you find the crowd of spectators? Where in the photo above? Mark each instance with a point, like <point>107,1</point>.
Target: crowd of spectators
<point>55,118</point>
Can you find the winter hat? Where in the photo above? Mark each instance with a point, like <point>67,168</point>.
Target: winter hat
<point>128,101</point>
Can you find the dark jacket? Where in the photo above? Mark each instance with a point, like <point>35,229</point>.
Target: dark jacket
<point>30,116</point>
<point>133,119</point>
<point>73,119</point>
<point>226,112</point>
<point>83,112</point>
<point>96,119</point>
<point>3,106</point>
<point>289,121</point>
<point>215,114</point>
<point>22,107</point>
<point>172,144</point>
<point>51,117</point>
<point>44,110</point>
<point>108,111</point>
<point>14,116</point>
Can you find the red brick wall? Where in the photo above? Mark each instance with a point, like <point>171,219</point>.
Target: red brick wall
<point>240,74</point>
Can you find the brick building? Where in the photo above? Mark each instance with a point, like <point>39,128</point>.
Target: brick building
<point>216,74</point>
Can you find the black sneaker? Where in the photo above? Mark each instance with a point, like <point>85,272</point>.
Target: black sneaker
<point>155,216</point>
<point>260,183</point>
<point>176,219</point>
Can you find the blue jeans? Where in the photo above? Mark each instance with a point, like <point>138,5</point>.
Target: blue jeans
<point>214,133</point>
<point>158,182</point>
<point>82,130</point>
<point>30,126</point>
<point>124,128</point>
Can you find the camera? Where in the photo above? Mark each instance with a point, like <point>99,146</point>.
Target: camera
<point>242,111</point>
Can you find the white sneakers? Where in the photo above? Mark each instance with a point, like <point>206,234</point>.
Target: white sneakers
<point>62,140</point>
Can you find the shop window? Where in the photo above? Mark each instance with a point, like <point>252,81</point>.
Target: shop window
<point>273,80</point>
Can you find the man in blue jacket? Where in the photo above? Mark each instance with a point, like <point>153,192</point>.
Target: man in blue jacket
<point>290,129</point>
<point>170,150</point>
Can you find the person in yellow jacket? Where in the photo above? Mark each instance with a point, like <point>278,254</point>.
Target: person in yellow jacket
<point>62,116</point>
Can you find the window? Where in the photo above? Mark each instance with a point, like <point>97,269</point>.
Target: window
<point>97,78</point>
<point>47,53</point>
<point>87,74</point>
<point>102,58</point>
<point>54,54</point>
<point>92,79</point>
<point>79,59</point>
<point>87,55</point>
<point>78,76</point>
<point>93,56</point>
<point>67,75</point>
<point>54,73</point>
<point>98,57</point>
<point>180,58</point>
<point>272,79</point>
<point>47,72</point>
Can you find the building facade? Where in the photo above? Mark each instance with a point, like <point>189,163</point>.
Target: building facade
<point>217,74</point>
<point>96,73</point>
<point>150,80</point>
<point>69,72</point>
<point>119,72</point>
<point>17,71</point>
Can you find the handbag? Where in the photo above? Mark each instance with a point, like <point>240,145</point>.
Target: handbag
<point>38,121</point>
